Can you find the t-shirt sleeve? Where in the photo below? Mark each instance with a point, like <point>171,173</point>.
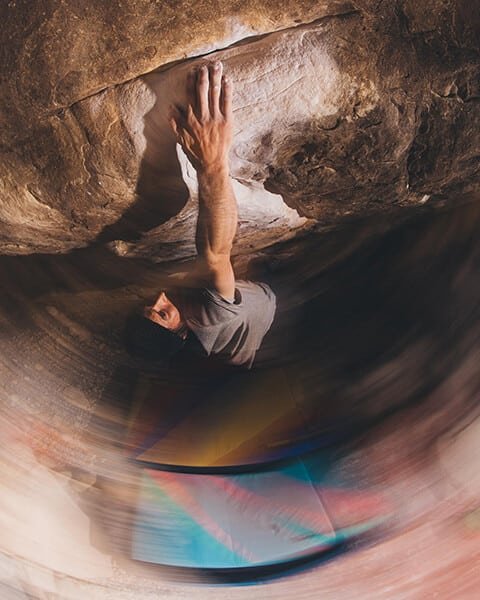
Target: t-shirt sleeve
<point>220,301</point>
<point>234,329</point>
<point>215,320</point>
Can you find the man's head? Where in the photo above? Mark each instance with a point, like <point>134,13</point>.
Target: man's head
<point>163,312</point>
<point>157,332</point>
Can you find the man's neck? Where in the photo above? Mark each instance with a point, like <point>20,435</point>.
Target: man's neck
<point>182,330</point>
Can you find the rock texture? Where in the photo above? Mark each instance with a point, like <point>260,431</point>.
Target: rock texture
<point>342,108</point>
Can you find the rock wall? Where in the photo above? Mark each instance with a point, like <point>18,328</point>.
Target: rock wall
<point>342,109</point>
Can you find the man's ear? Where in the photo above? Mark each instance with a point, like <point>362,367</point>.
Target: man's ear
<point>161,299</point>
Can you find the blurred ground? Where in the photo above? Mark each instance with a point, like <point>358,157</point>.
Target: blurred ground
<point>388,340</point>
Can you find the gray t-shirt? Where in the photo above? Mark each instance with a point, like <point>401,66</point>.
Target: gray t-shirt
<point>231,330</point>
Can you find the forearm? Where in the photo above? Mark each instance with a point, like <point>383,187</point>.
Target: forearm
<point>217,214</point>
<point>205,132</point>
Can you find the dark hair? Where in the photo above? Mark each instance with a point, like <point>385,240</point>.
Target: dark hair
<point>148,340</point>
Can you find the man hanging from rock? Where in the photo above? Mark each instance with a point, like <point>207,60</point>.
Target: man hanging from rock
<point>220,316</point>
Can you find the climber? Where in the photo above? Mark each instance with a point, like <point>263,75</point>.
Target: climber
<point>219,315</point>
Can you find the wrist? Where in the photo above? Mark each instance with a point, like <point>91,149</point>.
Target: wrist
<point>216,169</point>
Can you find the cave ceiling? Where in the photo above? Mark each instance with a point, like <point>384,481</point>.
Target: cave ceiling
<point>342,109</point>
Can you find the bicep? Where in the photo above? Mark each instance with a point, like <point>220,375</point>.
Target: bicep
<point>219,276</point>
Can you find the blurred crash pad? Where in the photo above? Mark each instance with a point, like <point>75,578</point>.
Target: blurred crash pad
<point>231,521</point>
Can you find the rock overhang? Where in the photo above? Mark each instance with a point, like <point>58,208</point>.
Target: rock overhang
<point>340,112</point>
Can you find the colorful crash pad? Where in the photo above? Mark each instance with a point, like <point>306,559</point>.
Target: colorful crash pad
<point>195,509</point>
<point>244,520</point>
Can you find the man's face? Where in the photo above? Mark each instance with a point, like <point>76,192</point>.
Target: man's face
<point>164,313</point>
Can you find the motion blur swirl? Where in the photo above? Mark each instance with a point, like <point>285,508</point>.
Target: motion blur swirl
<point>377,379</point>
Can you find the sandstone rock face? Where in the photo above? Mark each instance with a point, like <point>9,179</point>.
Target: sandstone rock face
<point>341,109</point>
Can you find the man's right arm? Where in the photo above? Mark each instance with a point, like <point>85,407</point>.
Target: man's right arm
<point>205,134</point>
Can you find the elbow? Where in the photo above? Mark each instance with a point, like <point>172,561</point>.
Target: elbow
<point>216,263</point>
<point>215,258</point>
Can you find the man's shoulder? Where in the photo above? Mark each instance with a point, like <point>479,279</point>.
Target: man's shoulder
<point>206,306</point>
<point>233,329</point>
<point>248,295</point>
<point>257,287</point>
<point>255,293</point>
